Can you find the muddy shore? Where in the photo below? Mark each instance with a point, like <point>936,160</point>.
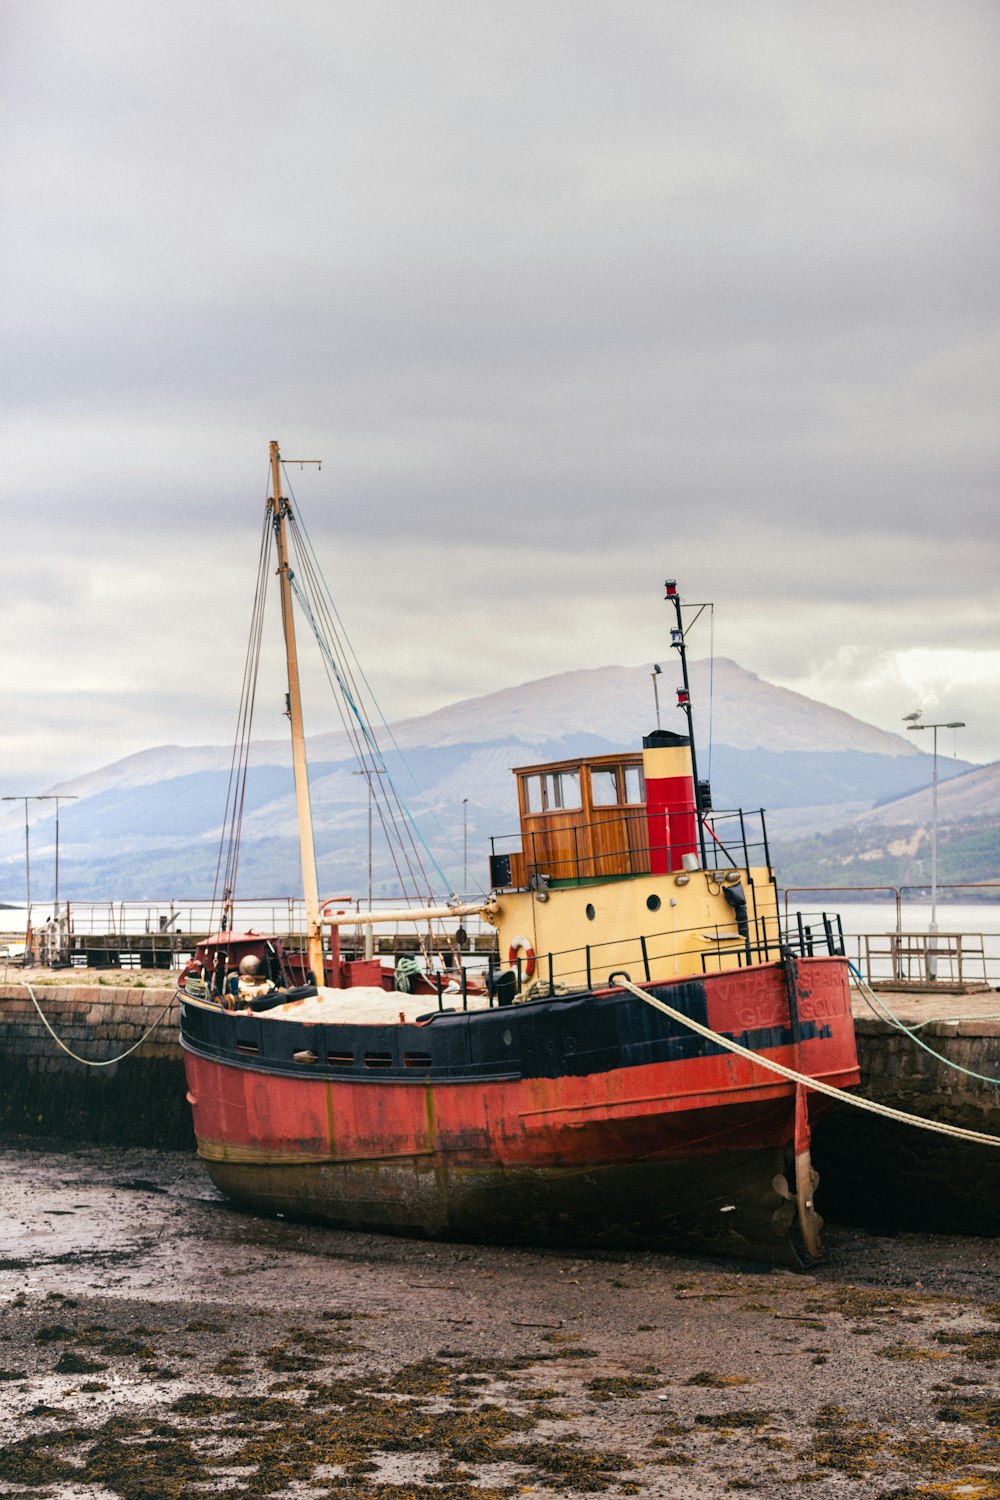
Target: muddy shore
<point>157,1343</point>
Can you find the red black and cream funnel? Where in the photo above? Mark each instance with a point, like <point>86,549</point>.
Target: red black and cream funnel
<point>671,814</point>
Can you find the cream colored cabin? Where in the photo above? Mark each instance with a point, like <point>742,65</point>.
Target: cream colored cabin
<point>606,876</point>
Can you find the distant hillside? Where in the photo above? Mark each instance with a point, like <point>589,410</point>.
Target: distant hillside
<point>890,844</point>
<point>148,826</point>
<point>973,793</point>
<point>613,704</point>
<point>967,852</point>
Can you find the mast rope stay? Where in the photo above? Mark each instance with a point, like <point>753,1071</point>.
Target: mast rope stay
<point>397,827</point>
<point>369,771</point>
<point>357,708</point>
<point>347,677</point>
<point>365,726</point>
<point>227,862</point>
<point>303,540</point>
<point>807,1080</point>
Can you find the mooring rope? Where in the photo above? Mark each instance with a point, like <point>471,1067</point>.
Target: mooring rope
<point>885,1110</point>
<point>879,1005</point>
<point>90,1062</point>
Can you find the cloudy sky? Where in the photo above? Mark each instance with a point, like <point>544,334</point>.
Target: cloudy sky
<point>568,296</point>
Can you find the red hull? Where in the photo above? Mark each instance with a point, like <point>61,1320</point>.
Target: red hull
<point>597,1155</point>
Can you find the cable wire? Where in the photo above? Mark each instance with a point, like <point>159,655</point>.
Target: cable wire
<point>90,1062</point>
<point>878,1005</point>
<point>768,1064</point>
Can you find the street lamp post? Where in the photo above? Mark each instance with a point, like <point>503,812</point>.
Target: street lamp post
<point>27,873</point>
<point>954,724</point>
<point>61,797</point>
<point>465,848</point>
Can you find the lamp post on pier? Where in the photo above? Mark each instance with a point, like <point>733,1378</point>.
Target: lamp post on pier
<point>57,798</point>
<point>953,724</point>
<point>27,874</point>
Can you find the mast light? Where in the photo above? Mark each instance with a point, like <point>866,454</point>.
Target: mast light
<point>677,638</point>
<point>671,588</point>
<point>683,698</point>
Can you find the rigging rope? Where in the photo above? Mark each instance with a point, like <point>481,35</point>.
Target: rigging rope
<point>356,706</point>
<point>341,660</point>
<point>89,1061</point>
<point>366,748</point>
<point>770,1066</point>
<point>227,863</point>
<point>711,683</point>
<point>356,672</point>
<point>878,1005</point>
<point>367,732</point>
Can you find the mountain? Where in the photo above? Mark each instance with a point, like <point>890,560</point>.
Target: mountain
<point>616,704</point>
<point>148,826</point>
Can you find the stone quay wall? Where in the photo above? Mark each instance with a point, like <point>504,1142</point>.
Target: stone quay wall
<point>892,1177</point>
<point>139,1101</point>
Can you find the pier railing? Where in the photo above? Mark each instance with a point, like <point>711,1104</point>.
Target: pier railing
<point>162,934</point>
<point>905,949</point>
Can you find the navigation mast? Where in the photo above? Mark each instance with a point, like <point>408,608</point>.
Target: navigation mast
<point>280,509</point>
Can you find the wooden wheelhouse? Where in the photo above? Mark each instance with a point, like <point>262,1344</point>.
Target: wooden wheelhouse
<point>582,819</point>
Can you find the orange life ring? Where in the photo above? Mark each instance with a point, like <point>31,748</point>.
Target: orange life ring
<point>529,955</point>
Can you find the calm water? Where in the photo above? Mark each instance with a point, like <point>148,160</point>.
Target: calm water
<point>952,916</point>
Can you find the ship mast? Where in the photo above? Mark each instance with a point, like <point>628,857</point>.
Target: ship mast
<point>280,509</point>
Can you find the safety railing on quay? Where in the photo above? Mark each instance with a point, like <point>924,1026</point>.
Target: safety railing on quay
<point>911,951</point>
<point>162,934</point>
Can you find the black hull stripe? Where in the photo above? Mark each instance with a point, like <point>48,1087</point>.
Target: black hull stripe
<point>573,1038</point>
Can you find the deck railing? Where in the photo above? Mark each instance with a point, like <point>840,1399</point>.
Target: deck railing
<point>622,846</point>
<point>689,950</point>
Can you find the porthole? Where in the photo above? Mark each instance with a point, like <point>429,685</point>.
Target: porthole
<point>590,912</point>
<point>653,902</point>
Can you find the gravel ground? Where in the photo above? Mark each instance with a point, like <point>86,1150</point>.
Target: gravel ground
<point>157,1343</point>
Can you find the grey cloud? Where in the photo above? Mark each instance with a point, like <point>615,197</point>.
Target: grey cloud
<point>586,285</point>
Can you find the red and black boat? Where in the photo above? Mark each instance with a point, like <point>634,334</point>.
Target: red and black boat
<point>554,1105</point>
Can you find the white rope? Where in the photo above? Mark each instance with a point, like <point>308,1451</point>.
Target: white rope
<point>90,1062</point>
<point>810,1083</point>
<point>885,1014</point>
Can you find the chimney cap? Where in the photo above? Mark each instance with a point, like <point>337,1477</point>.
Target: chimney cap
<point>663,739</point>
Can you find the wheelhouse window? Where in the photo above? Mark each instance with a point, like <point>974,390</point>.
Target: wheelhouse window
<point>553,791</point>
<point>533,793</point>
<point>560,790</point>
<point>604,787</point>
<point>635,784</point>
